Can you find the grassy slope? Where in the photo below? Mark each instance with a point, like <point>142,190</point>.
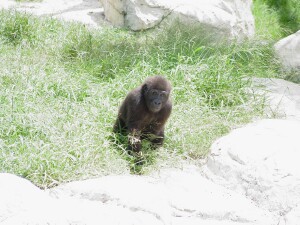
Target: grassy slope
<point>61,85</point>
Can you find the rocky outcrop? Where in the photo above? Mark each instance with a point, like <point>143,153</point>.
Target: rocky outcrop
<point>171,197</point>
<point>282,97</point>
<point>23,203</point>
<point>260,161</point>
<point>88,12</point>
<point>232,18</point>
<point>288,50</point>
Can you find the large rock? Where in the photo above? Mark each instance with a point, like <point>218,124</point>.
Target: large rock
<point>23,203</point>
<point>293,217</point>
<point>88,12</point>
<point>232,17</point>
<point>260,161</point>
<point>173,197</point>
<point>170,197</point>
<point>288,50</point>
<point>282,97</point>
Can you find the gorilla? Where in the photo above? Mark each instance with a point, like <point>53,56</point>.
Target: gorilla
<point>144,112</point>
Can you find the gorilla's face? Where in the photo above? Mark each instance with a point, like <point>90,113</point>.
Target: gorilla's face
<point>155,99</point>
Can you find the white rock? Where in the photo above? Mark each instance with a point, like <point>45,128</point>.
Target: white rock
<point>196,200</point>
<point>88,12</point>
<point>232,17</point>
<point>136,194</point>
<point>283,97</point>
<point>288,50</point>
<point>23,203</point>
<point>260,161</point>
<point>173,197</point>
<point>114,12</point>
<point>293,217</point>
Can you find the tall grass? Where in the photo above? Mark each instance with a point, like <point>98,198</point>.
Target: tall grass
<point>17,28</point>
<point>275,19</point>
<point>61,85</point>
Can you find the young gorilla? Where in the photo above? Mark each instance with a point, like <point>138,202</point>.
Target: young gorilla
<point>144,112</point>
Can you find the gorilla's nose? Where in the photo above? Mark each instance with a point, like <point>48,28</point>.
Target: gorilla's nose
<point>157,102</point>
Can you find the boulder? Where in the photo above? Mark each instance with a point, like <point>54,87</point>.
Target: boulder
<point>288,51</point>
<point>88,12</point>
<point>261,162</point>
<point>282,97</point>
<point>232,17</point>
<point>171,196</point>
<point>293,217</point>
<point>138,195</point>
<point>23,203</point>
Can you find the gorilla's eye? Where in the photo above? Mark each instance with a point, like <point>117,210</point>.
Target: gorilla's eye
<point>163,94</point>
<point>154,92</point>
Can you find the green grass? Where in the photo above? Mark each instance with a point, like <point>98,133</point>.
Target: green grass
<point>275,19</point>
<point>61,85</point>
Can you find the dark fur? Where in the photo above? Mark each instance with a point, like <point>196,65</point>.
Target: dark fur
<point>144,112</point>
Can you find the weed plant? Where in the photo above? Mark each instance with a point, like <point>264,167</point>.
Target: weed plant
<point>61,85</point>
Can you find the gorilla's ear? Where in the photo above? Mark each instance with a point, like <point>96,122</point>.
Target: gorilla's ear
<point>144,89</point>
